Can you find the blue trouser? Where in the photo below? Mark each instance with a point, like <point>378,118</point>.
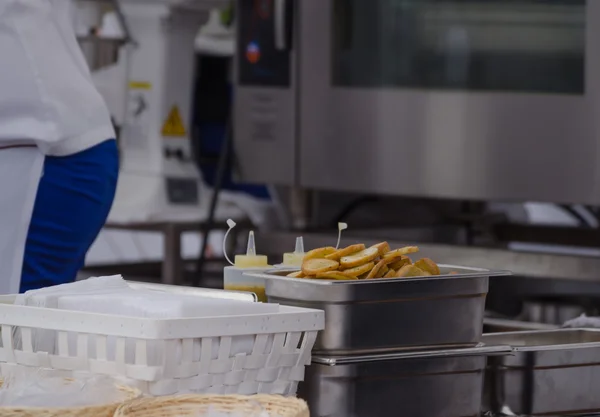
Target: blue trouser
<point>73,201</point>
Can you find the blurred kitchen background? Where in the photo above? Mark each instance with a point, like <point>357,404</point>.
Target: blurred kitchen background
<point>468,127</point>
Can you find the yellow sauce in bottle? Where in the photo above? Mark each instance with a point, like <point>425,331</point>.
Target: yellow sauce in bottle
<point>294,259</point>
<point>234,279</point>
<point>258,290</point>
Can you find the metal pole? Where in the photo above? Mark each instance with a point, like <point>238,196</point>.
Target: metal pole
<point>210,221</point>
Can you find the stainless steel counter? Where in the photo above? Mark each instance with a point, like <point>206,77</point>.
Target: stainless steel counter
<point>550,372</point>
<point>442,383</point>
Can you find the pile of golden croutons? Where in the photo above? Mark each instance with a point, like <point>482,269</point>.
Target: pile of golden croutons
<point>360,262</point>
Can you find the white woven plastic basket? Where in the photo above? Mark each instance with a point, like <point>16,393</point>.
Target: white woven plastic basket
<point>262,353</point>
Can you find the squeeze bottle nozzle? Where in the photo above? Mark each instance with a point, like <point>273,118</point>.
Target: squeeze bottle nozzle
<point>251,259</point>
<point>295,258</point>
<point>251,248</point>
<point>299,245</point>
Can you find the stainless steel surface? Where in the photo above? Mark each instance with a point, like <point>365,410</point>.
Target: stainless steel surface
<point>549,312</point>
<point>280,41</point>
<point>534,265</point>
<point>204,292</point>
<point>116,6</point>
<point>264,135</point>
<point>551,372</point>
<point>548,341</point>
<point>426,386</point>
<point>280,282</point>
<point>417,354</point>
<point>172,266</point>
<point>502,414</point>
<point>491,325</point>
<point>200,5</point>
<point>390,314</point>
<point>264,114</point>
<point>482,144</point>
<point>386,139</point>
<point>99,52</point>
<point>506,413</point>
<point>299,208</point>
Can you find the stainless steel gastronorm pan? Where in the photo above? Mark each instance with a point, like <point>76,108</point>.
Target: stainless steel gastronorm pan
<point>442,383</point>
<point>380,315</point>
<point>551,372</point>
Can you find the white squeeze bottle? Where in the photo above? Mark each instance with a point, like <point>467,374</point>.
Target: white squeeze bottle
<point>233,276</point>
<point>293,259</point>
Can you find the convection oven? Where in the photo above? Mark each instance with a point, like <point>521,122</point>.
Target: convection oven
<point>471,99</point>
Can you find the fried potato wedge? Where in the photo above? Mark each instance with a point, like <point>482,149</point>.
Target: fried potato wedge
<point>297,274</point>
<point>349,250</point>
<point>402,251</point>
<point>384,270</point>
<point>335,275</point>
<point>319,253</point>
<point>382,247</point>
<point>390,274</point>
<point>359,258</point>
<point>375,272</point>
<point>359,270</point>
<point>318,265</point>
<point>428,265</point>
<point>398,262</point>
<point>408,271</point>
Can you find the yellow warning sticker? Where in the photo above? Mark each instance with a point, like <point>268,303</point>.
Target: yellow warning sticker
<point>140,85</point>
<point>174,126</point>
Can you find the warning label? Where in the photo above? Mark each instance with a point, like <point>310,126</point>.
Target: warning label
<point>174,126</point>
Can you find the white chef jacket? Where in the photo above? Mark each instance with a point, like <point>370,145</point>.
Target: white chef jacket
<point>47,96</point>
<point>48,103</point>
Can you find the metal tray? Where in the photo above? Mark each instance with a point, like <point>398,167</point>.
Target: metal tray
<point>490,414</point>
<point>493,325</point>
<point>386,315</point>
<point>551,372</point>
<point>442,383</point>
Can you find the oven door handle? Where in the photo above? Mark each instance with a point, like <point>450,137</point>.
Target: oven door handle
<point>283,21</point>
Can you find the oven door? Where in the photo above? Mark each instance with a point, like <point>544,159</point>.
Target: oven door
<point>265,90</point>
<point>488,99</point>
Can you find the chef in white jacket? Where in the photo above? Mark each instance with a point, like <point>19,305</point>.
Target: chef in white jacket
<point>58,156</point>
